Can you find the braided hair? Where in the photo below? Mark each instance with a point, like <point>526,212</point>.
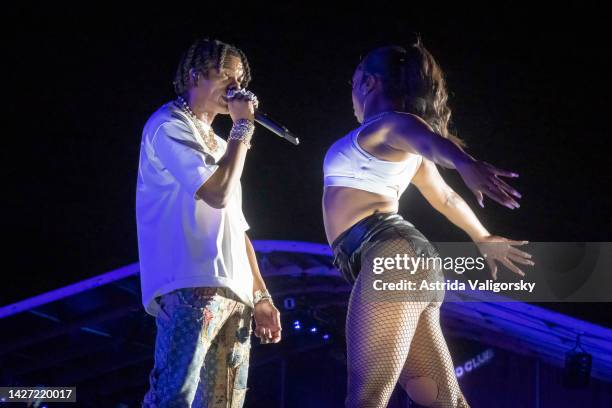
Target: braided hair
<point>412,77</point>
<point>203,55</point>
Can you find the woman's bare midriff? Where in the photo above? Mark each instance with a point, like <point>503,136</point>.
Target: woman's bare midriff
<point>344,206</point>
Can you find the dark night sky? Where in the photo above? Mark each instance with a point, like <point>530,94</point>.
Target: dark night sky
<point>526,89</point>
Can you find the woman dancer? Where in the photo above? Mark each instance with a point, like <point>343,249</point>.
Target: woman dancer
<point>400,99</point>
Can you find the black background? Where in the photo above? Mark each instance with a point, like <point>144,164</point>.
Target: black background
<point>528,92</point>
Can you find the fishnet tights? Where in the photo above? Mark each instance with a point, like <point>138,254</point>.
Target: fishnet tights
<point>396,336</point>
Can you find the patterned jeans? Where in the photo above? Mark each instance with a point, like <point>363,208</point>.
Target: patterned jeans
<point>201,350</point>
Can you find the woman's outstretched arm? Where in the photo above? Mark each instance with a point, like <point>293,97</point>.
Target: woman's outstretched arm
<point>447,202</point>
<point>410,133</point>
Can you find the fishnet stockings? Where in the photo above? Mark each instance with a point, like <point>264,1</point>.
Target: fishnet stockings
<point>394,335</point>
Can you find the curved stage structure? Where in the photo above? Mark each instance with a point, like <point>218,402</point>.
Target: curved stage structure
<point>96,336</point>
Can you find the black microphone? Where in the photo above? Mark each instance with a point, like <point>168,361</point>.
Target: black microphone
<point>266,121</point>
<point>275,127</point>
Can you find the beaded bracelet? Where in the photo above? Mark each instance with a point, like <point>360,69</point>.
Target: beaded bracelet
<point>242,130</point>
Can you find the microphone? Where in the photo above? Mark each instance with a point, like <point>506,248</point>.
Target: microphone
<point>275,127</point>
<point>264,120</point>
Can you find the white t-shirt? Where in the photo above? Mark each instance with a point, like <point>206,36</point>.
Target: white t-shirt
<point>182,241</point>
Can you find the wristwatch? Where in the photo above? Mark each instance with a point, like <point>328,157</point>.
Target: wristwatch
<point>260,295</point>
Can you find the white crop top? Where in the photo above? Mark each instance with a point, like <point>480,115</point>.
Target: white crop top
<point>347,164</point>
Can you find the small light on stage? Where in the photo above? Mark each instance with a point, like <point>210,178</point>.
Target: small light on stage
<point>313,329</point>
<point>326,337</point>
<point>296,325</point>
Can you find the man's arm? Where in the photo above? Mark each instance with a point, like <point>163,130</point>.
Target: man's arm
<point>258,282</point>
<point>217,190</point>
<point>219,187</point>
<point>267,317</point>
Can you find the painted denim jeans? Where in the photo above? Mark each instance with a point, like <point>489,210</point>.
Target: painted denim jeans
<point>201,350</point>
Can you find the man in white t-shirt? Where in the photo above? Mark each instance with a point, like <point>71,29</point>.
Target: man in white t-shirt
<point>198,269</point>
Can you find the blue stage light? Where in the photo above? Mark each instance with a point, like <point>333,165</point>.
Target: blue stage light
<point>313,329</point>
<point>326,337</point>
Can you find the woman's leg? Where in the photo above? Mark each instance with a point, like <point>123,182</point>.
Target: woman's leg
<point>380,326</point>
<point>429,374</point>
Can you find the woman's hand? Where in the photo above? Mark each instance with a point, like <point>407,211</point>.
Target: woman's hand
<point>267,322</point>
<point>483,178</point>
<point>499,249</point>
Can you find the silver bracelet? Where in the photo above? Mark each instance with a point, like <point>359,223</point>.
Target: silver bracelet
<point>262,295</point>
<point>242,130</point>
